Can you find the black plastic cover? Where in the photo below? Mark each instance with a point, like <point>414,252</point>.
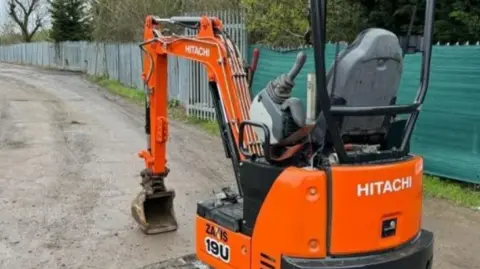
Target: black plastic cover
<point>415,255</point>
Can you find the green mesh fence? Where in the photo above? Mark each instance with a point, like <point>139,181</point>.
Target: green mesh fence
<point>448,131</point>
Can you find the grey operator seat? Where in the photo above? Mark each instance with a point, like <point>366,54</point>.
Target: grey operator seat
<point>368,73</point>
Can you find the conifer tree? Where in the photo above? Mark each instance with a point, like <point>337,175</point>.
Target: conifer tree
<point>69,20</point>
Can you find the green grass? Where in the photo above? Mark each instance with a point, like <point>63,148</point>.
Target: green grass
<point>458,193</point>
<point>208,126</point>
<point>175,110</point>
<point>117,88</point>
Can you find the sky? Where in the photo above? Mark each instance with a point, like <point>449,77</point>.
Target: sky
<point>3,12</point>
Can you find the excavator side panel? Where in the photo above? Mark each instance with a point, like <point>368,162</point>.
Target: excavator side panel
<point>383,201</point>
<point>292,220</point>
<point>338,217</point>
<point>220,247</point>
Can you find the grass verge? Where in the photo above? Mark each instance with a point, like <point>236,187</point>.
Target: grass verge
<point>116,88</point>
<point>175,110</point>
<point>458,193</point>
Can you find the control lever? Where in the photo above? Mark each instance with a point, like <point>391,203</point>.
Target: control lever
<point>299,63</point>
<point>281,88</point>
<point>275,114</point>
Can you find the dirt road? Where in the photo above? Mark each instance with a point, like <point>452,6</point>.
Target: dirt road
<point>69,170</point>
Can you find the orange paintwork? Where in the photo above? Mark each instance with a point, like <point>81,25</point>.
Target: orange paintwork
<point>293,218</point>
<point>239,245</point>
<point>356,221</point>
<point>218,56</point>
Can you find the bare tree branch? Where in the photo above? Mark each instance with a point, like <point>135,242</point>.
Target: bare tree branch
<point>21,6</point>
<point>32,6</point>
<point>22,12</point>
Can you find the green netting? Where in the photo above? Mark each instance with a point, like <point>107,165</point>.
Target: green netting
<point>448,131</point>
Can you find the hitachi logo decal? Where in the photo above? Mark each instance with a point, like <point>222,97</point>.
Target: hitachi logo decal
<point>383,187</point>
<point>191,49</point>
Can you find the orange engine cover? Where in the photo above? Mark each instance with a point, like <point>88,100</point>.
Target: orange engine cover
<point>375,207</point>
<point>312,214</point>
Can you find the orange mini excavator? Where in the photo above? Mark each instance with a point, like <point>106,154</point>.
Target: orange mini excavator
<point>343,191</point>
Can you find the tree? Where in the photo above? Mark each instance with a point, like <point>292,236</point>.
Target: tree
<point>27,14</point>
<point>455,20</point>
<point>69,20</point>
<point>392,15</point>
<point>279,23</point>
<point>344,20</point>
<point>284,22</point>
<point>8,34</point>
<point>123,20</point>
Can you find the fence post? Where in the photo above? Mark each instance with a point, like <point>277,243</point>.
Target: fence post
<point>96,59</point>
<point>63,54</point>
<point>105,61</point>
<point>131,68</point>
<point>118,63</point>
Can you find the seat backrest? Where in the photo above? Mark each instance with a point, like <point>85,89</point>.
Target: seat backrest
<point>368,73</point>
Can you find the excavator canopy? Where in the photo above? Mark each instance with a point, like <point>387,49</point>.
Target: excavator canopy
<point>340,116</point>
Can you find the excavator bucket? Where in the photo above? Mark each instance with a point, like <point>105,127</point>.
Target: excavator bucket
<point>155,213</point>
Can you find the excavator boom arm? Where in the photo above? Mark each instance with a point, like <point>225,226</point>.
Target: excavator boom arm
<point>226,74</point>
